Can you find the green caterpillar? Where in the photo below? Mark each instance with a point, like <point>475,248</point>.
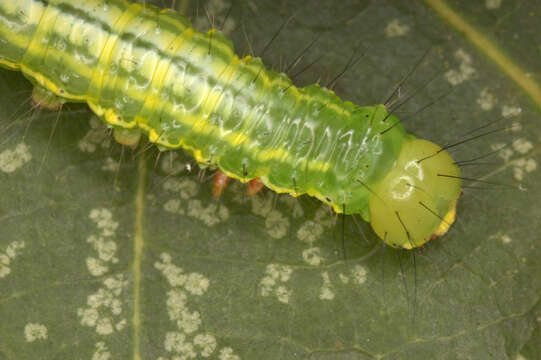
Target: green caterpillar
<point>146,70</point>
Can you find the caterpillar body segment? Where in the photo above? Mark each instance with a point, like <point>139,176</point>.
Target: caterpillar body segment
<point>145,70</point>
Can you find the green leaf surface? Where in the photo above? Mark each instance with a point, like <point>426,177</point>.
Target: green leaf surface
<point>109,253</point>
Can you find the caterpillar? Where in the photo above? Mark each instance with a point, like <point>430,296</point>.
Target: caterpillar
<point>147,71</point>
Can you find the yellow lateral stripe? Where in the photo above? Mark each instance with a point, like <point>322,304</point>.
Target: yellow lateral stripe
<point>10,65</point>
<point>488,48</point>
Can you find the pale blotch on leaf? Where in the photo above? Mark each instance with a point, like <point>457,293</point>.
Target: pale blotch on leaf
<point>101,352</point>
<point>96,267</point>
<point>196,284</point>
<point>35,331</point>
<point>312,256</point>
<point>283,294</point>
<point>172,206</point>
<point>511,111</point>
<point>174,274</point>
<point>187,188</point>
<point>102,244</point>
<point>344,278</point>
<point>184,342</point>
<point>325,292</point>
<point>98,135</point>
<point>172,165</point>
<point>506,239</point>
<point>359,274</point>
<point>7,257</point>
<point>486,100</point>
<point>276,224</point>
<point>176,343</point>
<point>13,159</point>
<point>111,165</point>
<point>523,166</point>
<point>228,354</point>
<point>395,28</point>
<point>522,145</point>
<point>310,232</point>
<point>493,4</point>
<point>465,70</point>
<point>104,220</point>
<point>504,152</point>
<point>323,217</point>
<point>261,206</point>
<point>206,342</point>
<point>516,126</point>
<point>273,283</point>
<point>293,203</point>
<point>104,307</point>
<point>210,215</point>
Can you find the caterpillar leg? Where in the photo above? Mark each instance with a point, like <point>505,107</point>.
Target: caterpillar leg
<point>128,137</point>
<point>254,186</point>
<point>220,183</point>
<point>46,99</point>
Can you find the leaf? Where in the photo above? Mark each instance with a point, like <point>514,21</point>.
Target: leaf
<point>111,253</point>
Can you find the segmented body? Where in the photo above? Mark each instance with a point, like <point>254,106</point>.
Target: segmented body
<point>145,69</point>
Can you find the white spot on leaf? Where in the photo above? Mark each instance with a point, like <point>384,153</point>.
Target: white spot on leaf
<point>172,205</point>
<point>493,4</point>
<point>184,342</point>
<point>175,342</point>
<point>104,220</point>
<point>6,258</point>
<point>523,166</point>
<point>111,165</point>
<point>522,145</point>
<point>359,274</point>
<point>344,278</point>
<point>228,354</point>
<point>486,100</point>
<point>210,215</point>
<point>310,232</point>
<point>465,70</point>
<point>206,342</point>
<point>13,159</point>
<point>98,135</point>
<point>312,256</point>
<point>101,352</point>
<point>171,164</point>
<point>395,28</point>
<point>269,285</point>
<point>34,331</point>
<point>511,111</point>
<point>102,243</point>
<point>276,224</point>
<point>326,293</point>
<point>104,307</point>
